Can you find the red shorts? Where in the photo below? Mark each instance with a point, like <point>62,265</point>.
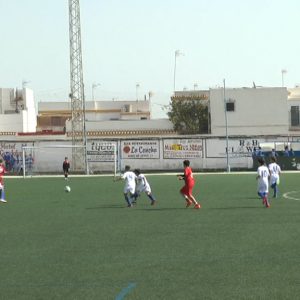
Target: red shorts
<point>187,189</point>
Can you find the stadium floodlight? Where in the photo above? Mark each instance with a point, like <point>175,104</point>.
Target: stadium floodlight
<point>94,86</point>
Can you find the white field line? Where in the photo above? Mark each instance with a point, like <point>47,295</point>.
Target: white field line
<point>286,196</point>
<point>151,174</point>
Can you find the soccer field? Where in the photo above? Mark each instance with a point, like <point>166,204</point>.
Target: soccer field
<point>88,245</point>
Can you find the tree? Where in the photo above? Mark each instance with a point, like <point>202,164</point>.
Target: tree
<point>189,116</point>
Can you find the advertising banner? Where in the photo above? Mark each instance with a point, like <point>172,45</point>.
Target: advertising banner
<point>182,148</point>
<point>141,149</point>
<point>99,151</point>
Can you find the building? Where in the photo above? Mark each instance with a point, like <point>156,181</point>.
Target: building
<point>103,118</point>
<point>250,111</point>
<point>293,107</point>
<point>17,110</point>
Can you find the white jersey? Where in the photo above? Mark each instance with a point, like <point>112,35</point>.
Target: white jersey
<point>129,178</point>
<point>275,170</point>
<point>263,179</point>
<point>142,184</point>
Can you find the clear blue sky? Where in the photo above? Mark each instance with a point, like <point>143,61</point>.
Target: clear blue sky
<point>130,42</point>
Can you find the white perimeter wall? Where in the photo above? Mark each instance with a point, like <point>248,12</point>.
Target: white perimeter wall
<point>152,154</point>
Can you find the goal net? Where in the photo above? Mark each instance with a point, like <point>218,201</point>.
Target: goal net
<point>48,159</point>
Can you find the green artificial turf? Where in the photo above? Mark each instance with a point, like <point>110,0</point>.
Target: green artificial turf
<point>88,245</point>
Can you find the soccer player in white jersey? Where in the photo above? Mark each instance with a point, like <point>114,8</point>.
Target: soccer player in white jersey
<point>275,171</point>
<point>129,188</point>
<point>143,186</point>
<point>262,177</point>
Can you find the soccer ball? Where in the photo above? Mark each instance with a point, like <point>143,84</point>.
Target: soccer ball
<point>67,189</point>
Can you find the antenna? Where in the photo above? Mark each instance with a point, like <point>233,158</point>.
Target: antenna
<point>79,156</point>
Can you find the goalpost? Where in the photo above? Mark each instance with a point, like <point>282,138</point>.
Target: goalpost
<point>48,159</point>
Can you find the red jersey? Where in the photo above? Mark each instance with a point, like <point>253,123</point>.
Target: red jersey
<point>2,172</point>
<point>188,176</point>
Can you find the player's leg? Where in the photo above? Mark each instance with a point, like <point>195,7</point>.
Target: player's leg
<point>274,187</point>
<point>184,193</point>
<point>135,196</point>
<point>151,197</point>
<point>191,197</point>
<point>267,200</point>
<point>128,199</point>
<point>264,196</point>
<point>130,195</point>
<point>2,194</point>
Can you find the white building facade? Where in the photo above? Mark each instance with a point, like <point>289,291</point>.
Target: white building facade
<point>17,110</point>
<point>250,111</point>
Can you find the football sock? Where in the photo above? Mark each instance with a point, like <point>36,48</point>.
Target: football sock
<point>275,190</point>
<point>127,200</point>
<point>151,197</point>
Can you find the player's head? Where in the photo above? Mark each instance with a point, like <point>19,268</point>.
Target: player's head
<point>137,172</point>
<point>127,168</point>
<point>273,159</point>
<point>66,158</point>
<point>261,161</point>
<point>186,163</point>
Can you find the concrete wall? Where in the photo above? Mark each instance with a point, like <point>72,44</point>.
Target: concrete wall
<point>154,154</point>
<point>258,111</point>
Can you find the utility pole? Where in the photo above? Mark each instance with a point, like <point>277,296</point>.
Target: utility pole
<point>79,141</point>
<point>226,127</point>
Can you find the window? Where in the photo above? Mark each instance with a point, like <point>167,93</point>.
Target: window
<point>295,116</point>
<point>230,106</point>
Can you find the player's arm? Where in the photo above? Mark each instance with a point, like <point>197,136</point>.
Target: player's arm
<point>181,176</point>
<point>119,178</point>
<point>258,175</point>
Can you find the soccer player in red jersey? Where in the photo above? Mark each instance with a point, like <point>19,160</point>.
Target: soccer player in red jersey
<point>2,172</point>
<point>187,189</point>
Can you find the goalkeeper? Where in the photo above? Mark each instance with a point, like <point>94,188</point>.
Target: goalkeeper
<point>66,167</point>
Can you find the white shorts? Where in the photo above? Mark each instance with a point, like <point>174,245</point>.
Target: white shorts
<point>273,179</point>
<point>129,189</point>
<point>144,188</point>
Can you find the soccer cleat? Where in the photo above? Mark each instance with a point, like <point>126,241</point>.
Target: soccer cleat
<point>197,206</point>
<point>153,202</point>
<point>188,203</point>
<point>3,200</point>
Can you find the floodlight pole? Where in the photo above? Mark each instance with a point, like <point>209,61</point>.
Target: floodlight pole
<point>226,127</point>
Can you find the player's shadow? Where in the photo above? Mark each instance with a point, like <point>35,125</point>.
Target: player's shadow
<point>236,207</point>
<point>160,209</point>
<point>105,206</point>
